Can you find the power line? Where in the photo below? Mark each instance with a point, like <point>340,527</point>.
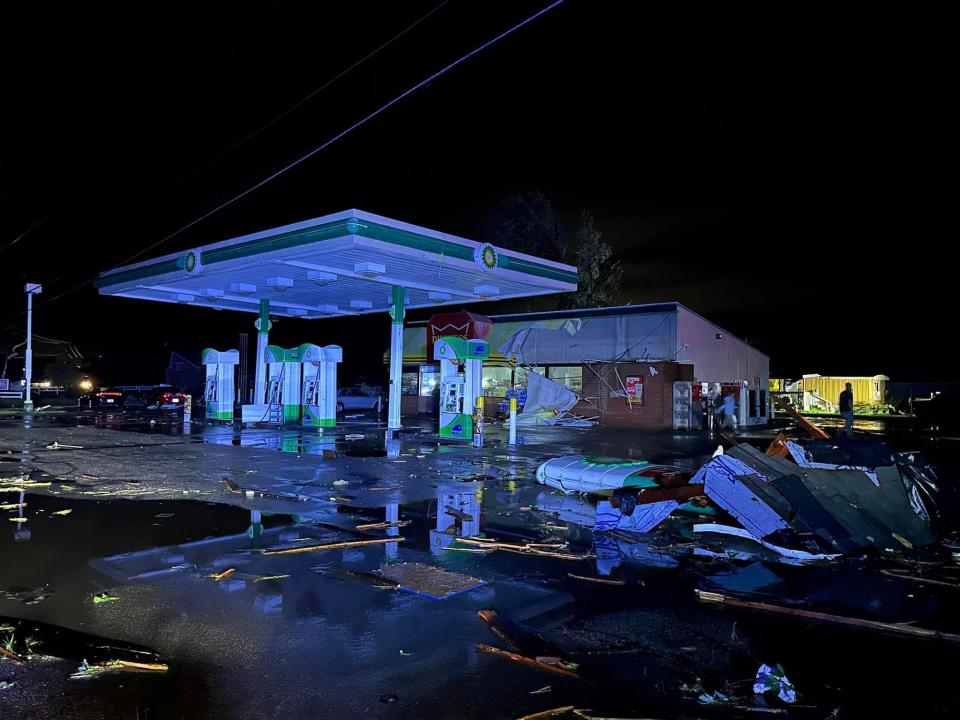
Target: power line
<point>318,90</point>
<point>269,123</point>
<point>26,232</point>
<point>343,133</point>
<point>306,156</point>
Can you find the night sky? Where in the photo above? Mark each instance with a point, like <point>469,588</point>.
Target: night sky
<point>779,173</point>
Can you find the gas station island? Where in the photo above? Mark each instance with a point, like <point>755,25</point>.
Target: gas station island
<point>347,263</point>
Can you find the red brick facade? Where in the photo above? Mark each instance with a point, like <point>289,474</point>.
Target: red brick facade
<point>656,413</point>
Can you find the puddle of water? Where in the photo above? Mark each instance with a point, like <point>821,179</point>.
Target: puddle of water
<point>246,643</point>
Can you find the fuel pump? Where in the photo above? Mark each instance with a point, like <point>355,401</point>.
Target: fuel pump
<point>274,384</point>
<point>291,383</point>
<point>461,376</point>
<point>218,393</point>
<point>270,407</point>
<point>319,396</point>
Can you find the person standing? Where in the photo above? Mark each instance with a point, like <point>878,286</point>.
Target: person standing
<point>728,407</point>
<point>846,410</point>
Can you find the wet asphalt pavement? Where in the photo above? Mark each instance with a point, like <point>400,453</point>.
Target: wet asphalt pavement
<point>155,513</point>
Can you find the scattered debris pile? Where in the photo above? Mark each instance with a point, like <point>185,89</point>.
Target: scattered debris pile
<point>638,495</point>
<point>826,508</point>
<point>550,403</point>
<point>804,502</point>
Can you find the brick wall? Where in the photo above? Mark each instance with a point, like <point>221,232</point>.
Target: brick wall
<point>656,412</point>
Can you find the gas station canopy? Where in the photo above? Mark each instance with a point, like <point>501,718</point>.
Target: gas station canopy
<point>341,264</point>
<point>348,263</point>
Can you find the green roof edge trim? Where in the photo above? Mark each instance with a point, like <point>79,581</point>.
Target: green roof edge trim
<point>297,238</point>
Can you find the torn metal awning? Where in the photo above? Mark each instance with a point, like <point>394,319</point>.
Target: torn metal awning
<point>339,264</point>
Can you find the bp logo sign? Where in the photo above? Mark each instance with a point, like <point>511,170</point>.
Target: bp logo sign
<point>192,263</point>
<point>485,256</point>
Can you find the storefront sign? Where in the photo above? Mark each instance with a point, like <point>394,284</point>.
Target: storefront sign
<point>464,325</point>
<point>634,385</point>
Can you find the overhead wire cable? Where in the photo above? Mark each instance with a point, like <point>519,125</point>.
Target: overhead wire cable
<point>316,91</point>
<point>309,154</point>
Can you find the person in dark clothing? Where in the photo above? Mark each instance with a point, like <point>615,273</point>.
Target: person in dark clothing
<point>846,410</point>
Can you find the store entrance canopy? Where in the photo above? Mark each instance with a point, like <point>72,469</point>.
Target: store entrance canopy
<point>348,263</point>
<point>340,264</point>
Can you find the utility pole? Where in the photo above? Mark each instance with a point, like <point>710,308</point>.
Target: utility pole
<point>30,289</point>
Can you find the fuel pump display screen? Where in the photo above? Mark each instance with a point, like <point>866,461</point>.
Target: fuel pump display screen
<point>451,397</point>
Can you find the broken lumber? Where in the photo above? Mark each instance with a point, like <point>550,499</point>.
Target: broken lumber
<point>681,494</point>
<point>333,546</point>
<point>920,579</point>
<point>152,667</point>
<point>450,548</point>
<point>814,430</point>
<point>599,581</point>
<point>11,655</point>
<point>860,623</point>
<point>527,661</point>
<point>21,486</point>
<point>778,447</point>
<point>581,713</point>
<point>458,514</point>
<point>528,549</point>
<point>552,712</point>
<point>383,525</point>
<point>492,620</point>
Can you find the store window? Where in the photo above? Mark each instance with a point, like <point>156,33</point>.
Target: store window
<point>497,379</point>
<point>408,383</point>
<point>429,379</point>
<point>521,373</point>
<point>570,376</point>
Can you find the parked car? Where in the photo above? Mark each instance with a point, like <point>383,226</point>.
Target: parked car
<point>353,398</point>
<point>134,397</point>
<point>106,399</point>
<point>170,399</point>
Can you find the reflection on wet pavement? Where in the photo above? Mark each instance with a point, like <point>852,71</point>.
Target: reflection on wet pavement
<point>360,629</point>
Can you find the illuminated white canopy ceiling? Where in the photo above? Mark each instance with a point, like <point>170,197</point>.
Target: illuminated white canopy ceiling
<point>339,264</point>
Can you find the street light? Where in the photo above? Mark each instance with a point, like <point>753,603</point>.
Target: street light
<point>30,289</point>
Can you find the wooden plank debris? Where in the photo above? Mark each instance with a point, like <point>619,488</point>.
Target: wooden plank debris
<point>551,713</point>
<point>860,623</point>
<point>599,581</point>
<point>333,546</point>
<point>527,661</point>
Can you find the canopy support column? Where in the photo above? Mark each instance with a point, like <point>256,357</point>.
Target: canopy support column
<point>397,312</point>
<point>263,327</point>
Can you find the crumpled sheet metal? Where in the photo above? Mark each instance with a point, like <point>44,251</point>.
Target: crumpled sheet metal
<point>644,518</point>
<point>801,457</point>
<point>844,507</point>
<point>721,478</point>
